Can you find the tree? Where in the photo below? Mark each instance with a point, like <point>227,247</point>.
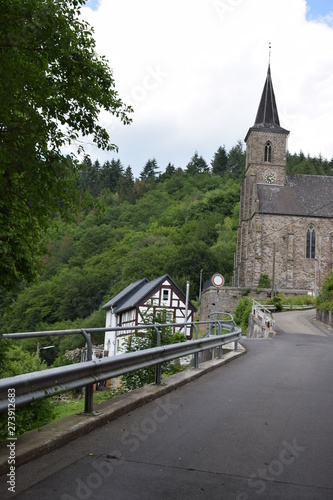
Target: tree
<point>197,165</point>
<point>224,248</point>
<point>111,173</point>
<point>236,161</point>
<point>220,161</point>
<point>188,262</point>
<point>125,186</point>
<point>169,171</point>
<point>52,88</point>
<point>150,170</point>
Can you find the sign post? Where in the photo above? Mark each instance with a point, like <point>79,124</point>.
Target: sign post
<point>218,282</point>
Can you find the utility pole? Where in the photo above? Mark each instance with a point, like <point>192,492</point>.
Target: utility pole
<point>200,286</point>
<point>186,304</point>
<point>273,277</point>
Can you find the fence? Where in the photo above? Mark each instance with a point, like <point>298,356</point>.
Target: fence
<point>30,387</point>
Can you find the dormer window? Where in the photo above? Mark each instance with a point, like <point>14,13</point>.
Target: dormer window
<point>268,152</point>
<point>311,242</point>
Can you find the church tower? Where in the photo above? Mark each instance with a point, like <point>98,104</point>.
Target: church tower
<point>266,147</point>
<point>266,141</point>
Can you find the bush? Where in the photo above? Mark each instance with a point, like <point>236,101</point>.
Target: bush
<point>242,313</point>
<point>136,342</point>
<point>278,301</point>
<point>264,281</point>
<point>324,301</point>
<point>33,415</point>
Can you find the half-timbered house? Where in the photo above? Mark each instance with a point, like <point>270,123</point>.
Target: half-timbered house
<point>139,303</point>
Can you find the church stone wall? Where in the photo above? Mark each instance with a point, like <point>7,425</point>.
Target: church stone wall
<point>277,244</point>
<point>292,268</point>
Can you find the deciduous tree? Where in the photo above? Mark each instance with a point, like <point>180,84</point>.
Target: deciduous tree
<point>52,88</point>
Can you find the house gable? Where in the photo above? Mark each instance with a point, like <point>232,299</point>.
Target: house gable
<point>133,306</point>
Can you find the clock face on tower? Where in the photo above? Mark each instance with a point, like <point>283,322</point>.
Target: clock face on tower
<point>270,178</point>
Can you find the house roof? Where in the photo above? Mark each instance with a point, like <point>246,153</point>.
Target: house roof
<point>267,118</point>
<point>136,293</point>
<point>302,195</point>
<point>124,294</point>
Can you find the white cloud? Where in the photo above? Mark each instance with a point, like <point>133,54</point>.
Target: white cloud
<point>194,71</point>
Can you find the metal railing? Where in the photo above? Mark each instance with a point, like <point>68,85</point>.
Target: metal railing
<point>33,386</point>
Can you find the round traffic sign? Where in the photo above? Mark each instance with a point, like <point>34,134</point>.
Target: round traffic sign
<point>218,280</point>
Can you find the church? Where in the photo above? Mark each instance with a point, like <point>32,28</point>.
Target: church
<point>286,221</point>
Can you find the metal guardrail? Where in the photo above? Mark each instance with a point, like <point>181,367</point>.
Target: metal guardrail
<point>33,386</point>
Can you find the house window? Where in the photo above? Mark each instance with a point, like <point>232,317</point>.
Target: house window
<point>311,242</point>
<point>268,152</point>
<point>165,295</point>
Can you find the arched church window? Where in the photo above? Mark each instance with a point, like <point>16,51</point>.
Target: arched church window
<point>268,152</point>
<point>311,242</point>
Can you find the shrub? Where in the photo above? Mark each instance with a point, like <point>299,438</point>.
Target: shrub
<point>242,312</point>
<point>278,301</point>
<point>33,415</point>
<point>264,281</point>
<point>324,301</point>
<point>134,343</point>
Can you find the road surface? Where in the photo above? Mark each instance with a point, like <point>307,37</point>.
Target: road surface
<point>259,427</point>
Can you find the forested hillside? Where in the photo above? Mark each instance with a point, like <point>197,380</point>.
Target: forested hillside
<point>176,221</point>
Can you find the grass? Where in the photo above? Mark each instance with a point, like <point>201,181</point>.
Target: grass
<point>71,405</point>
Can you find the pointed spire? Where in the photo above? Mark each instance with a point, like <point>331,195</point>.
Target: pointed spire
<point>267,118</point>
<point>267,115</point>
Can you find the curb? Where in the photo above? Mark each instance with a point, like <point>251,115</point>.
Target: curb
<point>38,442</point>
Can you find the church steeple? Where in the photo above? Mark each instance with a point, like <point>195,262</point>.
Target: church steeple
<point>267,118</point>
<point>267,115</point>
<point>266,141</point>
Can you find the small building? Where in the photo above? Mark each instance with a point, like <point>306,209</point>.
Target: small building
<point>141,300</point>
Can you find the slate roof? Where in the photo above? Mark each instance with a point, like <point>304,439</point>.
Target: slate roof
<point>267,118</point>
<point>302,195</point>
<point>135,294</point>
<point>122,296</point>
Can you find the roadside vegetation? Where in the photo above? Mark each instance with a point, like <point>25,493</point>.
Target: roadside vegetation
<point>280,303</point>
<point>324,301</point>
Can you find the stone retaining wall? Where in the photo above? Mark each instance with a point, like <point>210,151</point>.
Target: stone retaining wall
<point>325,317</point>
<point>226,298</point>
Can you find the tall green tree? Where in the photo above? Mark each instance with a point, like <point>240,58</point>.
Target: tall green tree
<point>111,173</point>
<point>52,88</point>
<point>149,171</point>
<point>197,165</point>
<point>236,161</point>
<point>220,161</point>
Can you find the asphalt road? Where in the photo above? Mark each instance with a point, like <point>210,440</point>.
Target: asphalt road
<point>259,427</point>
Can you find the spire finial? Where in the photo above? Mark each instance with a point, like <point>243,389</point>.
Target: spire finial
<point>269,54</point>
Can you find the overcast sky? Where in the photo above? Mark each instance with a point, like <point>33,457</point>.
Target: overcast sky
<point>194,71</point>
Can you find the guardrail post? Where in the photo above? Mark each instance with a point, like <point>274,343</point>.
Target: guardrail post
<point>89,389</point>
<point>219,349</point>
<point>236,345</point>
<point>158,370</point>
<point>196,354</point>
